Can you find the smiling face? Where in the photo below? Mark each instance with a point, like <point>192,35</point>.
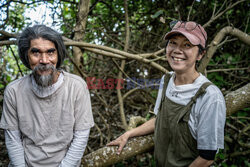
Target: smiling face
<point>182,55</point>
<point>43,58</point>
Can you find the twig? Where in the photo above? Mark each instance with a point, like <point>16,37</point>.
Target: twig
<point>222,6</point>
<point>220,14</point>
<point>238,153</point>
<point>132,91</point>
<point>107,125</point>
<point>119,43</point>
<point>229,69</point>
<point>240,117</point>
<point>226,40</point>
<point>116,64</point>
<point>189,12</point>
<point>16,60</point>
<point>232,127</point>
<point>101,135</point>
<point>158,58</point>
<point>214,8</point>
<point>78,69</point>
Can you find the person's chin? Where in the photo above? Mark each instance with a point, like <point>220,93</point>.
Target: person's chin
<point>177,67</point>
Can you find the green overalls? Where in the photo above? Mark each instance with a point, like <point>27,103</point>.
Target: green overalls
<point>174,144</point>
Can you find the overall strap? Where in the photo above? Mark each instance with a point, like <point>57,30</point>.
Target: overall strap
<point>201,91</point>
<point>165,85</point>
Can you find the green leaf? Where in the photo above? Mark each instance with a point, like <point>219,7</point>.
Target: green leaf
<point>158,13</point>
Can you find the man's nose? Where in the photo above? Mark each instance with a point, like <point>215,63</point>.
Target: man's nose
<point>44,59</point>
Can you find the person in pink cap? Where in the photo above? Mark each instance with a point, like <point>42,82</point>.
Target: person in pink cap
<point>190,110</point>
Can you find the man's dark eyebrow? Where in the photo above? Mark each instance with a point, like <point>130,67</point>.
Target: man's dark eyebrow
<point>38,50</point>
<point>51,50</point>
<point>34,50</point>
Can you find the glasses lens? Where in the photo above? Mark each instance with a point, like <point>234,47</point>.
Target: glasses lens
<point>174,24</point>
<point>190,25</point>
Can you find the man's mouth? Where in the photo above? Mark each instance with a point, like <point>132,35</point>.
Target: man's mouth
<point>45,71</point>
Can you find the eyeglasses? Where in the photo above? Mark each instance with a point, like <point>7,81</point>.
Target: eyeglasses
<point>189,26</point>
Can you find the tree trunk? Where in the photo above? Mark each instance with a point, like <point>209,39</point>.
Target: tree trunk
<point>82,15</point>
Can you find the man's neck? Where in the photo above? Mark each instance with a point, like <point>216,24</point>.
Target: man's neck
<point>55,76</point>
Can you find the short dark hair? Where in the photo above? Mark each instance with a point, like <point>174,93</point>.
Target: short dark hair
<point>201,49</point>
<point>40,31</point>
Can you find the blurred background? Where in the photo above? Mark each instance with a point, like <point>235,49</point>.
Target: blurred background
<point>135,27</point>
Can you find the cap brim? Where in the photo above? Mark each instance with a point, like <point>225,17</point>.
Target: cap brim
<point>192,38</point>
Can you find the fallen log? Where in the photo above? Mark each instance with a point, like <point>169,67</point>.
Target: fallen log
<point>107,155</point>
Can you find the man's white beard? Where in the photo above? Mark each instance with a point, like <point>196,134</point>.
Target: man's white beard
<point>44,80</point>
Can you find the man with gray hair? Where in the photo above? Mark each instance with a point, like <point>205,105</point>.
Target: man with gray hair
<point>47,114</point>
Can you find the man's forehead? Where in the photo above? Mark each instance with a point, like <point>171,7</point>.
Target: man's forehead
<point>41,42</point>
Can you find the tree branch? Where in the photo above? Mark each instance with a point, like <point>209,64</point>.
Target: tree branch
<point>138,57</point>
<point>213,18</point>
<point>119,93</point>
<point>218,38</point>
<point>7,34</point>
<point>107,51</point>
<point>238,99</point>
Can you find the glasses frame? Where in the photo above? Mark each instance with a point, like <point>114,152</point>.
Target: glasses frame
<point>173,26</point>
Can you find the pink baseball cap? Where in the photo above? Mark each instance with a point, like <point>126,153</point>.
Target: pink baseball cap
<point>193,31</point>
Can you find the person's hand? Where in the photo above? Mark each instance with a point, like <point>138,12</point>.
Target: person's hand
<point>120,141</point>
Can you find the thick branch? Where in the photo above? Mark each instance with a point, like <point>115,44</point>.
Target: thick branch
<point>119,93</point>
<point>138,57</point>
<point>107,51</point>
<point>7,34</point>
<point>218,38</point>
<point>238,99</point>
<point>107,155</point>
<point>7,42</point>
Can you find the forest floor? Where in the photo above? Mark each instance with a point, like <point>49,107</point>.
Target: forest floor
<point>4,160</point>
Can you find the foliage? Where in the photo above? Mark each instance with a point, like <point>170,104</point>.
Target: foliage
<point>148,22</point>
